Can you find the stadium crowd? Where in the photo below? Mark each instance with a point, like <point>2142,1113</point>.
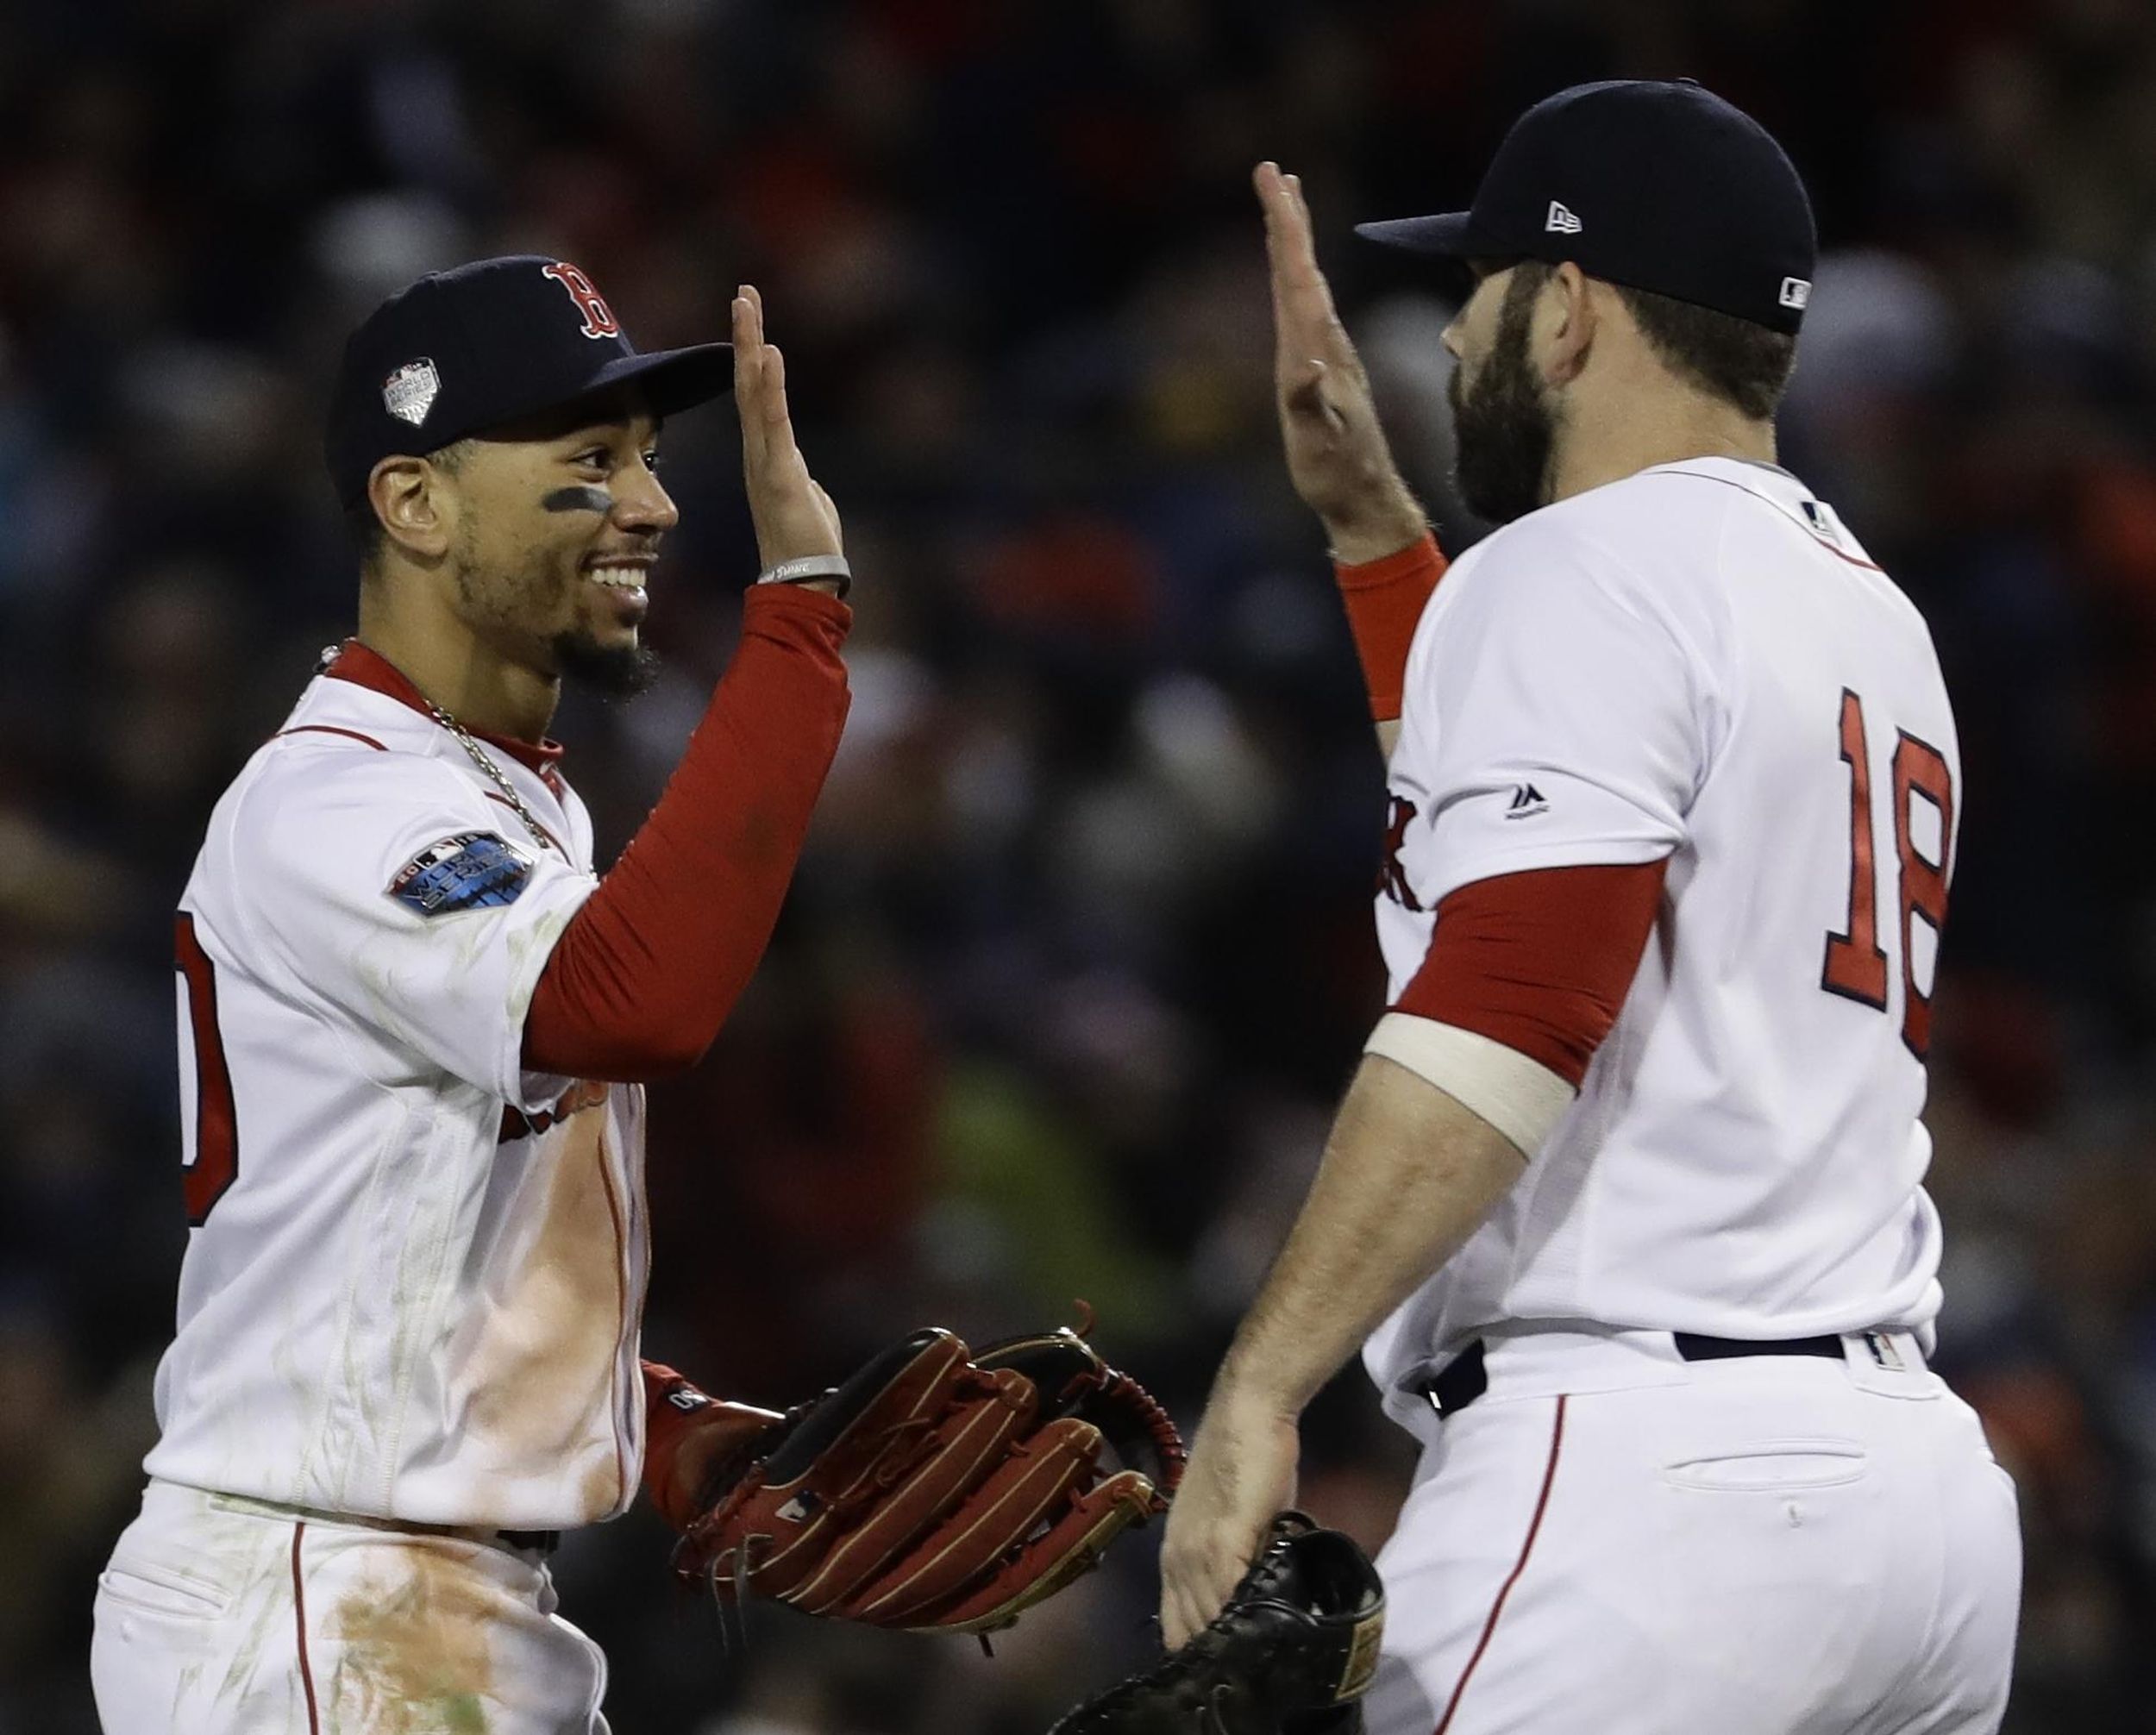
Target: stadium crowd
<point>1081,951</point>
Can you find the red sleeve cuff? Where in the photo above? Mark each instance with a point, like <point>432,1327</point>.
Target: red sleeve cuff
<point>1384,599</point>
<point>1540,962</point>
<point>1388,568</point>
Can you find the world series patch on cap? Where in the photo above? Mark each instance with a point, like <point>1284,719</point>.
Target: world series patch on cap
<point>465,350</point>
<point>410,392</point>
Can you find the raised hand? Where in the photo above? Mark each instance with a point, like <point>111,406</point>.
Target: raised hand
<point>1338,456</point>
<point>792,515</point>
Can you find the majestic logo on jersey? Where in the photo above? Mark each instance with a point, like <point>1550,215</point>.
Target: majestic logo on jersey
<point>409,393</point>
<point>1796,292</point>
<point>1526,802</point>
<point>1392,878</point>
<point>469,871</point>
<point>599,317</point>
<point>1561,220</point>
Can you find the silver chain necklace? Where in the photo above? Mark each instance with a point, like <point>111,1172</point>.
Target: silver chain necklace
<point>481,757</point>
<point>486,763</point>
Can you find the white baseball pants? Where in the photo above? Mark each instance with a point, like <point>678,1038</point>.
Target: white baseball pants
<point>1613,1541</point>
<point>219,1616</point>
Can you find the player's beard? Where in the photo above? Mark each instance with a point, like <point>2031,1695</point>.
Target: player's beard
<point>1503,426</point>
<point>613,671</point>
<point>505,597</point>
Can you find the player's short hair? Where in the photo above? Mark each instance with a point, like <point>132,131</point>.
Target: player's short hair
<point>1742,363</point>
<point>1745,364</point>
<point>363,529</point>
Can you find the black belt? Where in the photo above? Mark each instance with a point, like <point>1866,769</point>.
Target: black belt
<point>1465,1378</point>
<point>539,1541</point>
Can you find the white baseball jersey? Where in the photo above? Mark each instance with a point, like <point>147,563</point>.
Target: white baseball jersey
<point>1697,662</point>
<point>414,1280</point>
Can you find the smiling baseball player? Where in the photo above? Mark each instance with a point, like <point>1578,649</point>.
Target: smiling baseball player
<point>414,1024</point>
<point>1624,1201</point>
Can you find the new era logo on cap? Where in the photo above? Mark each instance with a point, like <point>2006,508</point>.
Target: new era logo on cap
<point>410,392</point>
<point>1665,187</point>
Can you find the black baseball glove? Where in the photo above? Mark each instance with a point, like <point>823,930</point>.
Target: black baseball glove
<point>1292,1653</point>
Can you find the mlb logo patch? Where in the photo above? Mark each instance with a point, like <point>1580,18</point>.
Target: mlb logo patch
<point>1796,292</point>
<point>470,871</point>
<point>409,393</point>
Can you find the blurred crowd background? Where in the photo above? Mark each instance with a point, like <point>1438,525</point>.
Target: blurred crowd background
<point>1080,951</point>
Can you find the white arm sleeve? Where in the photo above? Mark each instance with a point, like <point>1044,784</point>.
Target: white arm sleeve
<point>1519,1097</point>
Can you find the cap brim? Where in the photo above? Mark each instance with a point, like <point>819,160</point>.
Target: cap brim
<point>671,380</point>
<point>1448,237</point>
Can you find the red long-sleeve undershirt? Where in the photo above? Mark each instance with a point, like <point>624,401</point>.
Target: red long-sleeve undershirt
<point>1384,599</point>
<point>1540,962</point>
<point>648,968</point>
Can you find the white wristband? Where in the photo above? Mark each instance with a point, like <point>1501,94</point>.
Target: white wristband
<point>810,566</point>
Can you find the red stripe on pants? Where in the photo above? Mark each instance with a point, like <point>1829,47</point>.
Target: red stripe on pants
<point>1526,1547</point>
<point>299,1617</point>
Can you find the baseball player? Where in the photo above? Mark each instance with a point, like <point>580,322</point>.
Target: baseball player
<point>1623,1203</point>
<point>414,1025</point>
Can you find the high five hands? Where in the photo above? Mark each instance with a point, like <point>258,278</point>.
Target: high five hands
<point>792,515</point>
<point>1242,1461</point>
<point>1338,456</point>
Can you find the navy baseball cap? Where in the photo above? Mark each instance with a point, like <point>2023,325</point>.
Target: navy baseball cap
<point>1664,187</point>
<point>464,350</point>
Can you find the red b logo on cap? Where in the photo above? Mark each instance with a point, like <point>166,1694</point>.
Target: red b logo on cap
<point>599,317</point>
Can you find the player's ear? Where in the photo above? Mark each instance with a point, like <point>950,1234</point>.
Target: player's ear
<point>409,496</point>
<point>1568,314</point>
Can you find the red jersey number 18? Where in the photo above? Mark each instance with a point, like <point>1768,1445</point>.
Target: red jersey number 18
<point>1856,963</point>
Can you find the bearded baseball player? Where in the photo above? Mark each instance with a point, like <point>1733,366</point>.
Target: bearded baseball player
<point>1624,1203</point>
<point>413,1026</point>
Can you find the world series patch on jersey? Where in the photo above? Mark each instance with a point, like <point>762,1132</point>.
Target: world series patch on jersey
<point>416,1268</point>
<point>467,872</point>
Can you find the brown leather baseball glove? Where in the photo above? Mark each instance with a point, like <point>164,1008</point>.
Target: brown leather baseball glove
<point>936,1490</point>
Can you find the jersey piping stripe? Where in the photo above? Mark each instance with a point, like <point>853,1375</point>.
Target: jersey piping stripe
<point>502,801</point>
<point>331,728</point>
<point>1526,1547</point>
<point>1868,566</point>
<point>299,1617</point>
<point>621,1318</point>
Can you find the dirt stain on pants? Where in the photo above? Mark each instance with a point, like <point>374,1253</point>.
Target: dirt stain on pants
<point>416,1654</point>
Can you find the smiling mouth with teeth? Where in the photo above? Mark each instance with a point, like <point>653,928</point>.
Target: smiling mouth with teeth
<point>618,578</point>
